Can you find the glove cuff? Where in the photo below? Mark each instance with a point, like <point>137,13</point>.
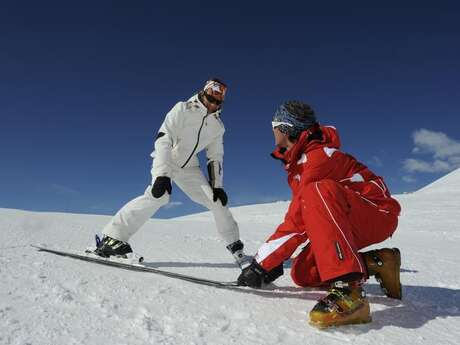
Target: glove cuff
<point>215,174</point>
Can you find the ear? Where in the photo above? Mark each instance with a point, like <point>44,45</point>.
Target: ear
<point>291,140</point>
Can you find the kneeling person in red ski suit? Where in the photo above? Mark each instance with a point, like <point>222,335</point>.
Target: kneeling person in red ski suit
<point>338,207</point>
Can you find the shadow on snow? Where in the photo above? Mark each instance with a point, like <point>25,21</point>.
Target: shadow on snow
<point>420,304</point>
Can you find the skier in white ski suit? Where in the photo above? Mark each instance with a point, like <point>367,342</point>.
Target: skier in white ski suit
<point>188,128</point>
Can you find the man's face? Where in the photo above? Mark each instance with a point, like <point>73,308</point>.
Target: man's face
<point>210,98</point>
<point>281,139</point>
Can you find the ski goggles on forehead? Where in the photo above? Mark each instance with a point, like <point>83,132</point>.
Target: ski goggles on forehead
<point>215,87</point>
<point>280,123</point>
<point>212,99</point>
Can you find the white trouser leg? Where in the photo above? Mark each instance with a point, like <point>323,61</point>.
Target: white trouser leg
<point>193,183</point>
<point>133,215</point>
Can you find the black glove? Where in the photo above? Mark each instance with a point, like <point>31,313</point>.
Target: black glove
<point>252,276</point>
<point>219,193</point>
<point>160,186</point>
<point>274,274</point>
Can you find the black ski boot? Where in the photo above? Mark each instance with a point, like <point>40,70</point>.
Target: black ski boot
<point>109,246</point>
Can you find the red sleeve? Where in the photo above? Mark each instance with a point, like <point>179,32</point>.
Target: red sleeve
<point>282,243</point>
<point>277,250</point>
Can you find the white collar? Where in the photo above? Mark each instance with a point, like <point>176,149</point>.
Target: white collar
<point>196,99</point>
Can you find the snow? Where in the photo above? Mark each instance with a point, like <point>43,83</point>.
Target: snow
<point>46,299</point>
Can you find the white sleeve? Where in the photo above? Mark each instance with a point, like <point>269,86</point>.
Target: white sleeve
<point>166,138</point>
<point>215,155</point>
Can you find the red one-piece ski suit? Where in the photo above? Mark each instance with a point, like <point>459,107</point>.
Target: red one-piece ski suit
<point>338,206</point>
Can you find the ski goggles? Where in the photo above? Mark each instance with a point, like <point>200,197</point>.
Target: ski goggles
<point>215,87</point>
<point>212,99</point>
<point>281,123</point>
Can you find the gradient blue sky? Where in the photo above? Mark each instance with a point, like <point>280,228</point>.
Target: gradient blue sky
<point>84,86</point>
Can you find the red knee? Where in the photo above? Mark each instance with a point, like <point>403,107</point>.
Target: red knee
<point>304,271</point>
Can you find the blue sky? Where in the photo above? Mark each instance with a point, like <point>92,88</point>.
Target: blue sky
<point>84,88</point>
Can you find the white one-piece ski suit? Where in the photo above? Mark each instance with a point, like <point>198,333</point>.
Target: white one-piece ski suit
<point>187,129</point>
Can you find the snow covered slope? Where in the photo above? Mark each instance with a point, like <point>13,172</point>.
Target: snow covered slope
<point>448,184</point>
<point>45,299</point>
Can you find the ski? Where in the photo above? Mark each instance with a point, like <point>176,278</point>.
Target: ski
<point>139,268</point>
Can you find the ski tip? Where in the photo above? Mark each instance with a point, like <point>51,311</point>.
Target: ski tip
<point>41,247</point>
<point>36,246</point>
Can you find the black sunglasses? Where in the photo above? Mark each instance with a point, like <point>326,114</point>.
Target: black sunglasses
<point>212,99</point>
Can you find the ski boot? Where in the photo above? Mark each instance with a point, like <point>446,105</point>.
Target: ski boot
<point>241,259</point>
<point>385,265</point>
<point>345,304</point>
<point>109,246</point>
